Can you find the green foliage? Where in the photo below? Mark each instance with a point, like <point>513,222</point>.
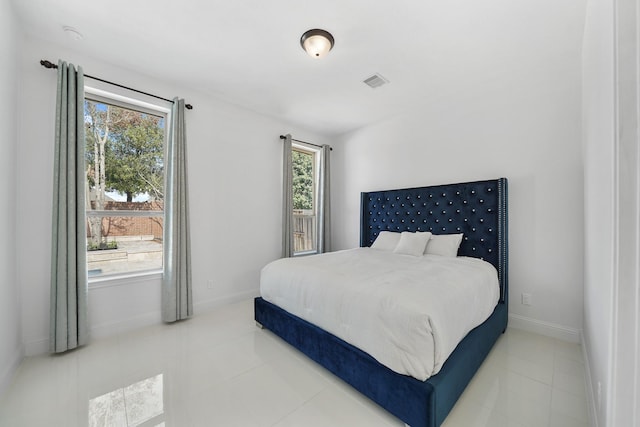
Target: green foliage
<point>133,151</point>
<point>91,246</point>
<point>134,157</point>
<point>302,180</point>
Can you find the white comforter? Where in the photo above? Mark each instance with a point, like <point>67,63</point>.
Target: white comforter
<point>407,312</point>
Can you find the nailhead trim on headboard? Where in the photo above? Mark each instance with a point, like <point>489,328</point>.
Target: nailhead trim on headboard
<point>476,209</point>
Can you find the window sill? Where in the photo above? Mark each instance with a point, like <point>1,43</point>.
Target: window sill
<point>305,253</point>
<point>124,279</point>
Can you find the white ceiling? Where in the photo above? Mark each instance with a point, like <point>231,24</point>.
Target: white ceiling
<point>247,51</point>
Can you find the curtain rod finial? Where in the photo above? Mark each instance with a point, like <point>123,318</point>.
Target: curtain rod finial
<point>47,64</point>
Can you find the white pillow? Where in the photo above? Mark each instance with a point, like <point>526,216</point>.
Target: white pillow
<point>386,241</point>
<point>412,243</point>
<point>444,245</point>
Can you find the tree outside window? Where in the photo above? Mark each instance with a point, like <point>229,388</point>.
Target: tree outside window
<point>302,180</point>
<point>304,215</point>
<point>124,187</point>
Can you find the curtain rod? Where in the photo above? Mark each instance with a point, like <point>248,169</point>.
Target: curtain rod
<point>49,64</point>
<point>305,142</point>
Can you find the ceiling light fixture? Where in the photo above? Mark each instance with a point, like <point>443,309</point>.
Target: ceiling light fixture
<point>317,43</point>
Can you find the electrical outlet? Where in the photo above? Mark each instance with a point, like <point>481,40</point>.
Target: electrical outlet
<point>526,299</point>
<point>210,284</point>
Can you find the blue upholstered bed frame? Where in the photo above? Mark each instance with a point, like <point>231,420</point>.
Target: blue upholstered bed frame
<point>477,209</point>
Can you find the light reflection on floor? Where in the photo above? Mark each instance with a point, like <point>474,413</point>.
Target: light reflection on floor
<point>218,369</point>
<point>129,406</point>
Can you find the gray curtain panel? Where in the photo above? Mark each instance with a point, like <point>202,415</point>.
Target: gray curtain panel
<point>68,323</point>
<point>177,298</point>
<point>287,198</point>
<point>324,202</point>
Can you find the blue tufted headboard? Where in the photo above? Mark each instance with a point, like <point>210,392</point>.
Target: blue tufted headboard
<point>477,209</point>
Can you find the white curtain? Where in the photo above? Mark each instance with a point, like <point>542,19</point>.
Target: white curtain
<point>68,310</point>
<point>287,198</point>
<point>177,299</point>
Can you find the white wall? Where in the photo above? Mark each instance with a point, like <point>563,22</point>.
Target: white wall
<point>612,196</point>
<point>235,185</point>
<point>522,123</point>
<point>10,340</point>
<point>598,128</point>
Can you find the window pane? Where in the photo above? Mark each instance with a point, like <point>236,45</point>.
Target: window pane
<point>125,175</point>
<point>129,244</point>
<point>302,180</point>
<point>304,218</point>
<point>304,232</point>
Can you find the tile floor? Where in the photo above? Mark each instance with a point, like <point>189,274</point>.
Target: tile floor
<point>218,369</point>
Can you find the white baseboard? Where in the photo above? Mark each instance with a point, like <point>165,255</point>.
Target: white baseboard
<point>591,399</point>
<point>36,347</point>
<point>41,346</point>
<point>10,371</point>
<point>109,329</point>
<point>566,334</point>
<point>545,328</point>
<point>212,304</point>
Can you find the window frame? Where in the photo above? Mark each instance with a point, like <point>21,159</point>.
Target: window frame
<point>315,152</point>
<point>99,95</point>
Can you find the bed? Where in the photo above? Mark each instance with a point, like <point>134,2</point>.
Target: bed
<point>476,209</point>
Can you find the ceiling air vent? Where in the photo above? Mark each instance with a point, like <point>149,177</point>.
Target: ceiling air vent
<point>375,81</point>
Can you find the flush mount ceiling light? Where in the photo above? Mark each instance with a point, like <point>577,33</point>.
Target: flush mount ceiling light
<point>317,43</point>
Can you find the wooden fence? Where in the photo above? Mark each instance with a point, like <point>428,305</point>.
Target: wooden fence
<point>304,232</point>
<point>123,227</point>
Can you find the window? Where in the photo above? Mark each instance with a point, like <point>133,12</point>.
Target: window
<point>304,162</point>
<point>124,186</point>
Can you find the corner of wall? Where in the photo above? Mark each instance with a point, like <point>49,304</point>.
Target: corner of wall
<point>548,329</point>
<point>591,399</point>
<point>11,348</point>
<point>11,369</point>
